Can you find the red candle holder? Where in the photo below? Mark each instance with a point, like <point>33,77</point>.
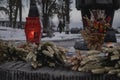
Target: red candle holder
<point>33,29</point>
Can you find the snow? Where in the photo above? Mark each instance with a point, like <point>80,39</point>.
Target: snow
<point>19,34</point>
<point>118,37</point>
<point>62,36</point>
<point>11,34</point>
<point>7,33</point>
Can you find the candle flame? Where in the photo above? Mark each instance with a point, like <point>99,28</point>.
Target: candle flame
<point>32,34</point>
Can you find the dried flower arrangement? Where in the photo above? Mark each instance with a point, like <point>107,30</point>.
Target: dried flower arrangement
<point>95,28</point>
<point>44,54</point>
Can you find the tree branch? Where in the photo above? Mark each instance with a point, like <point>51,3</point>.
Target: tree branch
<point>51,6</point>
<point>4,9</point>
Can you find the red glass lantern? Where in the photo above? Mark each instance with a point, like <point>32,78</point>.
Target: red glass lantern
<point>33,24</point>
<point>33,29</point>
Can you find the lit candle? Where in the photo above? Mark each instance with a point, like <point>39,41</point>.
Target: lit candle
<point>31,34</point>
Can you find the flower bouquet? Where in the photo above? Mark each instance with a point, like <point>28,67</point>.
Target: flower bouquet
<point>95,29</point>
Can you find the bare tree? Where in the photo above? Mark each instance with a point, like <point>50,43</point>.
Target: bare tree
<point>20,12</point>
<point>64,14</point>
<point>14,6</point>
<point>49,8</point>
<point>67,19</point>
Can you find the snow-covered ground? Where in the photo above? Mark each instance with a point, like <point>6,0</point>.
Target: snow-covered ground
<point>11,34</point>
<point>19,34</point>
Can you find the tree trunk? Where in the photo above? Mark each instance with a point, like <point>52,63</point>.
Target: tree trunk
<point>46,8</point>
<point>10,15</point>
<point>67,2</point>
<point>63,17</point>
<point>16,12</point>
<point>45,22</point>
<point>20,13</point>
